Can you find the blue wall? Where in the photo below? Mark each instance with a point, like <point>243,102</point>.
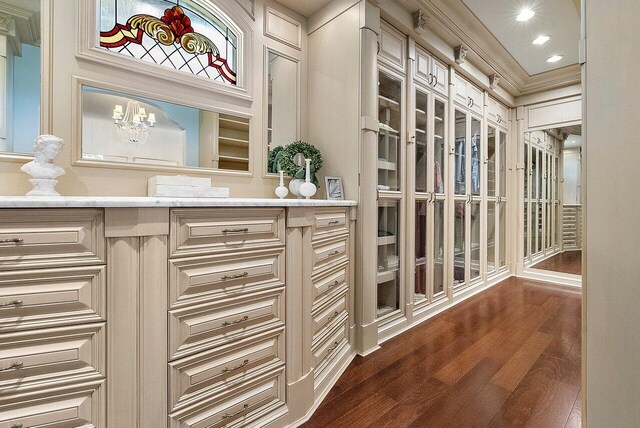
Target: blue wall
<point>25,125</point>
<point>189,119</point>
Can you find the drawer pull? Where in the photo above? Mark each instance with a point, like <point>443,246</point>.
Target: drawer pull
<point>243,230</point>
<point>333,347</point>
<point>14,366</point>
<point>231,415</point>
<point>11,303</point>
<point>335,284</point>
<point>239,366</point>
<point>11,241</point>
<point>228,323</point>
<point>332,316</point>
<point>17,426</point>
<point>240,275</point>
<point>333,253</point>
<point>334,222</point>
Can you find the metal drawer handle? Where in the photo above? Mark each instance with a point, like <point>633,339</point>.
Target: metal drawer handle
<point>333,222</point>
<point>228,323</point>
<point>335,314</point>
<point>240,275</point>
<point>335,283</point>
<point>11,241</point>
<point>14,366</point>
<point>11,303</point>
<point>243,230</point>
<point>239,366</point>
<point>17,426</point>
<point>231,415</point>
<point>333,347</point>
<point>334,253</point>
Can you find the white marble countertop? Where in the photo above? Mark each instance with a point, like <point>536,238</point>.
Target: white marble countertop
<point>146,202</point>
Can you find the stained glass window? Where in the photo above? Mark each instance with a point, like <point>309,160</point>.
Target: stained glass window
<point>177,34</point>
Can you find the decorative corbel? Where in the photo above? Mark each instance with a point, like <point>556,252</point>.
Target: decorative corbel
<point>420,21</point>
<point>8,29</point>
<point>460,53</point>
<point>494,80</point>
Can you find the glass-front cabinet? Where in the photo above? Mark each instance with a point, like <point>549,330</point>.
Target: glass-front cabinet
<point>391,152</point>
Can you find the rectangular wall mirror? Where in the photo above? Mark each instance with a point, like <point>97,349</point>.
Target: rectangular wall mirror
<point>282,100</point>
<point>117,127</point>
<point>19,75</point>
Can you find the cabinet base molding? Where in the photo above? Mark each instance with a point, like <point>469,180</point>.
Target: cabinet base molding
<point>366,338</point>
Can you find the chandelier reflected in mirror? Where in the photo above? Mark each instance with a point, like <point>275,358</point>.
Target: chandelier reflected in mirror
<point>134,125</point>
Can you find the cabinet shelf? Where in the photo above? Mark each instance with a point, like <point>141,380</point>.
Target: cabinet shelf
<point>229,141</point>
<point>387,166</point>
<point>233,159</point>
<point>384,127</point>
<point>384,310</point>
<point>235,124</point>
<point>388,103</point>
<point>386,240</point>
<point>386,276</point>
<point>438,119</point>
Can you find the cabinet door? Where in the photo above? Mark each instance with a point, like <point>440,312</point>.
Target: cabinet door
<point>390,119</point>
<point>441,76</point>
<point>392,47</point>
<point>477,99</point>
<point>422,132</point>
<point>388,277</point>
<point>461,91</point>
<point>424,70</point>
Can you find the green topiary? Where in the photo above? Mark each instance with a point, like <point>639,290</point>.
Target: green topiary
<point>282,158</point>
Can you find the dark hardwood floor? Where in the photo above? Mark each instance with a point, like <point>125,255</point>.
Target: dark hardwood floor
<point>509,356</point>
<point>565,262</point>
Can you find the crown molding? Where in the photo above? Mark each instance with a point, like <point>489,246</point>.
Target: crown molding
<point>456,25</point>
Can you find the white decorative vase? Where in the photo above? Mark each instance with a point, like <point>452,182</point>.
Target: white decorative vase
<point>42,168</point>
<point>308,189</point>
<point>294,186</point>
<point>281,190</point>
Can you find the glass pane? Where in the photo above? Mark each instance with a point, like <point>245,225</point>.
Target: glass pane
<point>438,248</point>
<point>390,122</point>
<point>475,240</point>
<point>503,164</point>
<point>540,184</point>
<point>502,250</point>
<point>186,37</point>
<point>548,230</point>
<point>460,153</point>
<point>459,243</point>
<point>422,107</point>
<point>556,179</point>
<point>532,227</point>
<point>439,120</point>
<point>526,233</point>
<point>117,127</point>
<point>476,176</point>
<point>282,102</point>
<point>491,236</point>
<point>388,278</point>
<point>534,173</point>
<point>421,251</point>
<point>491,162</point>
<point>540,223</point>
<point>20,59</point>
<point>527,172</point>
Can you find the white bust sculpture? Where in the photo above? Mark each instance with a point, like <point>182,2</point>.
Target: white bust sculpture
<point>42,168</point>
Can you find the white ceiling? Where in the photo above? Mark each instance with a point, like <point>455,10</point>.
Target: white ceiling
<point>305,7</point>
<point>558,19</point>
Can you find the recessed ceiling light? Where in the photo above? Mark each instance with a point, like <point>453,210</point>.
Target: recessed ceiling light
<point>554,58</point>
<point>525,15</point>
<point>541,40</point>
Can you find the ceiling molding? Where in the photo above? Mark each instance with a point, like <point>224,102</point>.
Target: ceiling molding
<point>452,21</point>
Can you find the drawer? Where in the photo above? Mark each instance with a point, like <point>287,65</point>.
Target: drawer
<point>83,406</point>
<point>51,238</point>
<point>329,253</point>
<point>51,356</point>
<point>204,326</point>
<point>222,368</point>
<point>330,313</point>
<point>263,398</point>
<point>328,282</point>
<point>51,297</point>
<point>329,223</point>
<point>211,277</point>
<point>195,232</point>
<point>328,347</point>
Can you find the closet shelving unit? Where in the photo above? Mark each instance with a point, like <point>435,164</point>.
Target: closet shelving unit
<point>233,143</point>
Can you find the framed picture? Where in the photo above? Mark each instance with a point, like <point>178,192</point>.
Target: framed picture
<point>333,186</point>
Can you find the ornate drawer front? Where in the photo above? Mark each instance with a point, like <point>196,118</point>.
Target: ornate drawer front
<point>211,277</point>
<point>82,406</point>
<point>222,368</point>
<point>51,297</point>
<point>44,357</point>
<point>329,253</point>
<point>330,313</point>
<point>328,347</point>
<point>201,327</point>
<point>329,223</point>
<point>196,232</point>
<point>328,282</point>
<point>51,238</point>
<point>244,407</point>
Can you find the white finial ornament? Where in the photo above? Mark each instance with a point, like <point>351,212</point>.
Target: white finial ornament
<point>42,168</point>
<point>308,189</point>
<point>281,190</point>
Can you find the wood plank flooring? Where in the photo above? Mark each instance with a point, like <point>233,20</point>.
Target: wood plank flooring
<point>565,262</point>
<point>509,356</point>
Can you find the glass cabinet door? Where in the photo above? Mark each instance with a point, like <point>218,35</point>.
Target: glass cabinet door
<point>492,193</point>
<point>460,143</point>
<point>438,249</point>
<point>527,175</point>
<point>475,240</point>
<point>439,121</point>
<point>388,278</point>
<point>476,152</point>
<point>421,139</point>
<point>390,124</point>
<point>420,289</point>
<point>491,162</point>
<point>459,243</point>
<point>502,205</point>
<point>461,166</point>
<point>491,236</point>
